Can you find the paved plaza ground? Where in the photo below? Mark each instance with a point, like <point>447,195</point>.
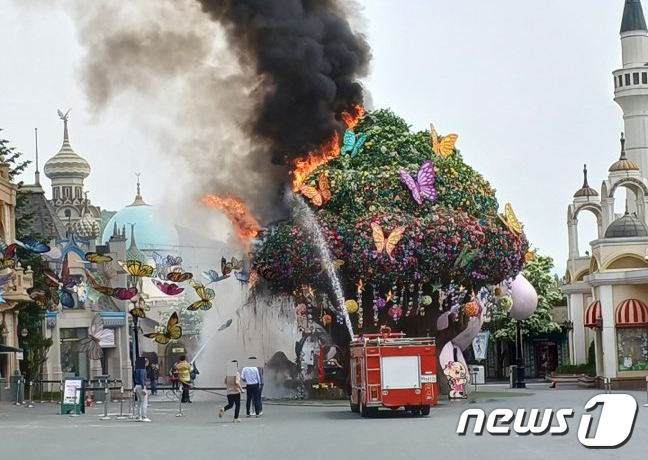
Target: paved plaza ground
<point>304,430</point>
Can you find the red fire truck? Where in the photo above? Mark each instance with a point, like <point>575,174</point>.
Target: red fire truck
<point>394,371</point>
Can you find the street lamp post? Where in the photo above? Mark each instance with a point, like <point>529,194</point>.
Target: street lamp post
<point>519,361</point>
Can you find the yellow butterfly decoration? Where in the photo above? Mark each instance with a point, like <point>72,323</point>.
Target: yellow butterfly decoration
<point>173,331</point>
<point>528,256</point>
<point>510,220</point>
<point>443,146</point>
<point>136,268</point>
<point>95,258</point>
<point>386,244</point>
<point>140,308</point>
<point>321,196</point>
<point>206,295</point>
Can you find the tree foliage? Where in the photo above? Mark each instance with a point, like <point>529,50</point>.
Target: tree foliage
<point>438,236</point>
<point>538,272</point>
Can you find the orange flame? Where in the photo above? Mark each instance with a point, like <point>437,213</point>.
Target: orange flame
<point>304,167</point>
<point>360,285</point>
<point>241,218</point>
<point>253,279</point>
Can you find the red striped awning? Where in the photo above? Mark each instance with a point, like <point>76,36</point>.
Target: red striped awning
<point>631,312</point>
<point>592,313</point>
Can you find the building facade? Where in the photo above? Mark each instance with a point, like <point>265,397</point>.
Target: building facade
<point>14,292</point>
<point>607,289</point>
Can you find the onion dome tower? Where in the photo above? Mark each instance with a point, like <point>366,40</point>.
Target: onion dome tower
<point>585,191</point>
<point>623,165</point>
<point>67,171</point>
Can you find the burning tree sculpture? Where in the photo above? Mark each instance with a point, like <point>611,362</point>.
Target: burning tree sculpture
<point>407,247</point>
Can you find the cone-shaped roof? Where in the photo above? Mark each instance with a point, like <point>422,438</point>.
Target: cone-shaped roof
<point>633,17</point>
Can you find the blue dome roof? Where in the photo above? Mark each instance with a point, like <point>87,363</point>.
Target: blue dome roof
<point>152,231</point>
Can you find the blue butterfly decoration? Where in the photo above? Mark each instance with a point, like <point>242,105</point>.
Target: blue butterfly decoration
<point>33,245</point>
<point>243,277</point>
<point>2,300</point>
<point>352,143</point>
<point>66,299</point>
<point>213,277</point>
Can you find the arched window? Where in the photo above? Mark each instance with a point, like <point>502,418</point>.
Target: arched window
<point>57,193</point>
<point>67,192</point>
<point>68,213</point>
<point>78,193</point>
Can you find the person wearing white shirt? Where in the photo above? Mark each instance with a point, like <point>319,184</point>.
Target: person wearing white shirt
<point>252,379</point>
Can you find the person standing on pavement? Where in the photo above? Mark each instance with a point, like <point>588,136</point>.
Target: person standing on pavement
<point>234,390</point>
<point>184,374</point>
<point>252,380</point>
<point>254,361</point>
<point>140,390</point>
<point>154,376</point>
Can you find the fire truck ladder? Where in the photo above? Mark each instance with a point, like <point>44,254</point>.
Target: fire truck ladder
<point>374,375</point>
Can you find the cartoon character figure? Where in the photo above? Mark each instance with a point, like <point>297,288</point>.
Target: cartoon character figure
<point>457,377</point>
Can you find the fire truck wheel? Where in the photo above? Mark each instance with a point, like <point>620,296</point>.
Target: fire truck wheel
<point>355,408</point>
<point>425,410</point>
<point>416,411</point>
<point>368,411</point>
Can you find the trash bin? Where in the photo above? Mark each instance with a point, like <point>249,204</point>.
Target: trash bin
<point>17,387</point>
<point>512,375</point>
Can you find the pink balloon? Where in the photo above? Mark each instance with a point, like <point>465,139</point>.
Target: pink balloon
<point>525,298</point>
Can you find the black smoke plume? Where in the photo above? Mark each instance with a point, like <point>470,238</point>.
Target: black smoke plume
<point>310,61</point>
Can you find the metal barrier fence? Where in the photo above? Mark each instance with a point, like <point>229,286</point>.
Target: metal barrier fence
<point>125,394</point>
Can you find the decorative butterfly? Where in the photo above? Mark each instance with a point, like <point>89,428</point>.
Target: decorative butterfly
<point>63,287</point>
<point>6,277</point>
<point>337,264</point>
<point>528,256</point>
<point>139,308</point>
<point>321,196</point>
<point>173,261</point>
<point>510,220</point>
<point>465,257</point>
<point>173,331</point>
<point>7,259</point>
<point>33,245</point>
<point>37,295</point>
<point>168,288</point>
<point>243,277</point>
<point>225,325</point>
<point>237,264</point>
<point>443,146</point>
<point>387,244</point>
<point>213,277</point>
<point>95,258</point>
<point>423,185</point>
<point>2,300</point>
<point>178,276</point>
<point>82,292</point>
<point>352,143</point>
<point>124,293</point>
<point>119,293</point>
<point>98,335</point>
<point>206,295</point>
<point>226,267</point>
<point>137,268</point>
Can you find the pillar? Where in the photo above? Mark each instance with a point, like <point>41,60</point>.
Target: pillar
<point>608,333</point>
<point>578,349</point>
<point>572,226</point>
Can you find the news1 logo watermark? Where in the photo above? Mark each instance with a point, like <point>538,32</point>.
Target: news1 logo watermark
<point>616,421</point>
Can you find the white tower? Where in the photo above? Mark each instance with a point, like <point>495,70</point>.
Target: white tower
<point>631,87</point>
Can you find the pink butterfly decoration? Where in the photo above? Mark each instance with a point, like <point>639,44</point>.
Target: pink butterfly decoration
<point>124,293</point>
<point>423,185</point>
<point>168,288</point>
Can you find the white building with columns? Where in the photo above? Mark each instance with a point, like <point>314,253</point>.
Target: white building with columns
<point>607,290</point>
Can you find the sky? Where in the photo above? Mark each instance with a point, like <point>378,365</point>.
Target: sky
<point>526,85</point>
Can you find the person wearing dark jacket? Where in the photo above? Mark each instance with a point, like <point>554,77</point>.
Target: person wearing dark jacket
<point>141,392</point>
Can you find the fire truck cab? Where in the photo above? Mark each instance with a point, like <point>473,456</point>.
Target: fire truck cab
<point>391,370</point>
